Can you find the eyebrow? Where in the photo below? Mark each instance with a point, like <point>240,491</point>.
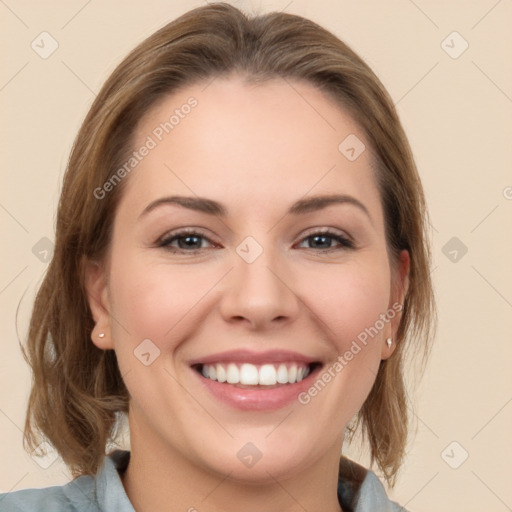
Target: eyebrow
<point>211,207</point>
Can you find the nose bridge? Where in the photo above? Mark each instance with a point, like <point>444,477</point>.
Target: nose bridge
<point>258,289</point>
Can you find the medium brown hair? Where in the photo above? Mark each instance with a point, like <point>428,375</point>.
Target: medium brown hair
<point>77,390</point>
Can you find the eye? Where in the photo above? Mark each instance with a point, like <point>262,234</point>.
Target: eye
<point>184,241</point>
<point>190,241</point>
<point>324,240</point>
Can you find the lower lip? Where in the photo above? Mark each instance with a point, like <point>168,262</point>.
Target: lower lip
<point>257,399</point>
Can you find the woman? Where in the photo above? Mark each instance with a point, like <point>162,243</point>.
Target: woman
<point>241,264</point>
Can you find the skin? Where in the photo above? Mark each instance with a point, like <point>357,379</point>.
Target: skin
<point>256,149</point>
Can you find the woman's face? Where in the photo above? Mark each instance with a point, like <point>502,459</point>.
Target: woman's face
<point>245,275</point>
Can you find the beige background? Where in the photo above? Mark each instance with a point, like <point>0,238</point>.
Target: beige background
<point>458,115</point>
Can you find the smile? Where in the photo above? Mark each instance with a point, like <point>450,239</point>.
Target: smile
<point>256,375</point>
<point>257,381</point>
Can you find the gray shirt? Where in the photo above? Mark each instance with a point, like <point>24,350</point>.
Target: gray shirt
<point>359,490</point>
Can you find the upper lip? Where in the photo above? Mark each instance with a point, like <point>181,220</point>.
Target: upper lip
<point>250,356</point>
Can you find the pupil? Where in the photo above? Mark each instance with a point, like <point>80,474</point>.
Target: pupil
<point>321,239</point>
<point>189,241</point>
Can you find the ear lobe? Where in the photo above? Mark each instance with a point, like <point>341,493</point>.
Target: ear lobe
<point>387,350</point>
<point>95,281</point>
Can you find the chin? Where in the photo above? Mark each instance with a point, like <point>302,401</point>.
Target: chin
<point>261,460</point>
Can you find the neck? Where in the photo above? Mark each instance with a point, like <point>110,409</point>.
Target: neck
<point>160,478</point>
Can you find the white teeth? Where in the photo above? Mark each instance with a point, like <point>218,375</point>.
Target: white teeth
<point>253,375</point>
<point>249,374</point>
<point>267,375</point>
<point>282,374</point>
<point>292,373</point>
<point>221,373</point>
<point>232,374</point>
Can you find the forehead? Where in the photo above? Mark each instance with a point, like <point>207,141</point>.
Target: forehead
<point>261,145</point>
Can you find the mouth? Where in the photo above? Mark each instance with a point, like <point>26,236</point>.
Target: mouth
<point>257,376</point>
<point>256,381</point>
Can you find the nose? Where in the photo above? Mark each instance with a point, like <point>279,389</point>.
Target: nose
<point>259,294</point>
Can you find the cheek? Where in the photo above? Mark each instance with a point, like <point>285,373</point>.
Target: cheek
<point>156,302</point>
<point>152,300</point>
<point>349,302</point>
<point>349,299</point>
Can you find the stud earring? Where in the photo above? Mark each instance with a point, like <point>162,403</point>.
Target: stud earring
<point>389,342</point>
<point>101,335</point>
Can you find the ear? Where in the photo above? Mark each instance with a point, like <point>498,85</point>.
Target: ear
<point>96,285</point>
<point>399,287</point>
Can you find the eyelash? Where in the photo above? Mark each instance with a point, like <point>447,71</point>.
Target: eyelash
<point>164,242</point>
